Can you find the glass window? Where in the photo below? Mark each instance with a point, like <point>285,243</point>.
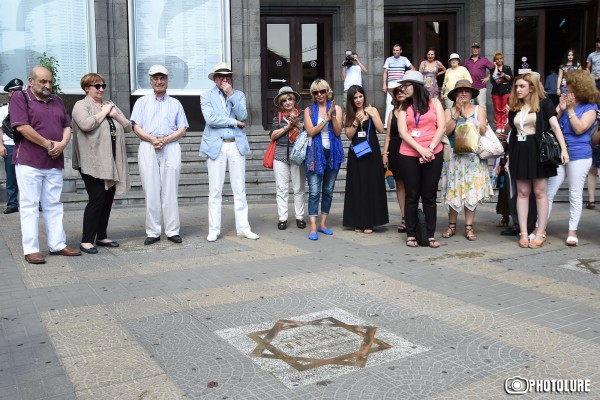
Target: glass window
<point>278,55</point>
<point>63,29</point>
<point>188,37</point>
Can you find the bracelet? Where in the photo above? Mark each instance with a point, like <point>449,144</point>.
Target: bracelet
<point>572,115</point>
<point>454,119</point>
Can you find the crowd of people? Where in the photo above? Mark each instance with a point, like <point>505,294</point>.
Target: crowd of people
<point>419,149</point>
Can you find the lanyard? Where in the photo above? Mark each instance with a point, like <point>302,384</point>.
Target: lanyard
<point>417,117</point>
<point>522,118</point>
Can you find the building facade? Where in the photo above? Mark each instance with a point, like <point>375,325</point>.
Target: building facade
<point>272,43</point>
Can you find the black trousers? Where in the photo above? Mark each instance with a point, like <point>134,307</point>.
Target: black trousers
<point>97,210</point>
<point>420,183</point>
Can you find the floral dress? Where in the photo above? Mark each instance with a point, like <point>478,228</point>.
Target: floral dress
<point>430,75</point>
<point>465,178</point>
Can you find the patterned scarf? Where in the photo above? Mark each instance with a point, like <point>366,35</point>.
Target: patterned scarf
<point>292,133</point>
<point>315,158</point>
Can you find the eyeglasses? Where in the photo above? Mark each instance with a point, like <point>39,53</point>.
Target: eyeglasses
<point>99,86</point>
<point>223,76</point>
<point>404,86</point>
<point>317,92</point>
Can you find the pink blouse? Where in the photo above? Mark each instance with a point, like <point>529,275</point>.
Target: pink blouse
<point>426,124</point>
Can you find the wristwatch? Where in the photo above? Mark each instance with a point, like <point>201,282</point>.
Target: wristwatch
<point>432,146</point>
<point>50,146</point>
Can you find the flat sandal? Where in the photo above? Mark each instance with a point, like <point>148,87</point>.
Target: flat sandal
<point>523,243</point>
<point>469,233</point>
<point>450,231</point>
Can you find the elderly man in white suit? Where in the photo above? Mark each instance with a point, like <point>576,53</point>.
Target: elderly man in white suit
<point>224,142</point>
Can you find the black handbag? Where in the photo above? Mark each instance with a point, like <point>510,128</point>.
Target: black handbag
<point>549,149</point>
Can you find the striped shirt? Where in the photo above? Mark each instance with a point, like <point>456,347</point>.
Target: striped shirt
<point>159,117</point>
<point>396,68</point>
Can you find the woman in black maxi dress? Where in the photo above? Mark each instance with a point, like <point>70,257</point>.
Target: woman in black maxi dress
<point>365,202</point>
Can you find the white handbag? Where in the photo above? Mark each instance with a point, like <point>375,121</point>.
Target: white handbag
<point>489,145</point>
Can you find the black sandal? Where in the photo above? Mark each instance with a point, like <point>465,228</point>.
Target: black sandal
<point>591,205</point>
<point>402,226</point>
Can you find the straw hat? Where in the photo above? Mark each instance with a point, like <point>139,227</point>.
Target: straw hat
<point>462,84</point>
<point>392,86</point>
<point>221,68</point>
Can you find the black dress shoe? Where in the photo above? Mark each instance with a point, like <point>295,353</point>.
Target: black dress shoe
<point>10,210</point>
<point>510,231</point>
<point>151,240</point>
<point>281,225</point>
<point>91,250</point>
<point>175,239</point>
<point>300,223</point>
<point>107,244</point>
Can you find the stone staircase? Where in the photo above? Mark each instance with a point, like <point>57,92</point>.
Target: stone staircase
<point>193,183</point>
<point>193,186</point>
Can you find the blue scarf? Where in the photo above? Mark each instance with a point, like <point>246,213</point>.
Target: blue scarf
<point>315,158</point>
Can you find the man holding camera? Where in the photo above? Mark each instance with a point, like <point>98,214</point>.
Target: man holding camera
<point>352,70</point>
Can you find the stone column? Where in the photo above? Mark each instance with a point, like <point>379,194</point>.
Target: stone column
<point>245,55</point>
<point>369,33</point>
<point>499,29</point>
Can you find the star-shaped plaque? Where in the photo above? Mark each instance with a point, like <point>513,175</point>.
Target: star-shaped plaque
<point>314,344</point>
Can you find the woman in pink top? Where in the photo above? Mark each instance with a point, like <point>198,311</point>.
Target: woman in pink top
<point>421,127</point>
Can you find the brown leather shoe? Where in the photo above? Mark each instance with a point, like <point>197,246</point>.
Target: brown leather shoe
<point>67,251</point>
<point>35,258</point>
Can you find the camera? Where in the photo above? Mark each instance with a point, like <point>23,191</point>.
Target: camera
<point>516,385</point>
<point>349,60</point>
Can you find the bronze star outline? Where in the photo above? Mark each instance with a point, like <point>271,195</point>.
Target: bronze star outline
<point>370,344</point>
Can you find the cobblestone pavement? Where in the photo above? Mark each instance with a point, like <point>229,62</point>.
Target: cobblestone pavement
<point>164,321</point>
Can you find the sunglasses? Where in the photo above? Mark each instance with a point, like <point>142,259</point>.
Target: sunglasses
<point>317,92</point>
<point>99,86</point>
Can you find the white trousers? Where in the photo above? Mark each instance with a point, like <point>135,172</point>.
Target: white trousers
<point>482,98</point>
<point>283,173</point>
<point>159,173</point>
<point>237,178</point>
<point>388,107</point>
<point>576,171</point>
<point>40,186</point>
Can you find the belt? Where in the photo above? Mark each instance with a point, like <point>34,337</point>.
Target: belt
<point>229,140</point>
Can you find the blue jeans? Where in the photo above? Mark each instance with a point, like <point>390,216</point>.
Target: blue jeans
<point>318,185</point>
<point>12,189</point>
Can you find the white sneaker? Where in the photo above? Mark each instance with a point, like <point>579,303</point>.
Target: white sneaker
<point>212,237</point>
<point>249,235</point>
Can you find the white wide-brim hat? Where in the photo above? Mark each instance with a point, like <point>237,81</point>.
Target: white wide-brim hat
<point>221,68</point>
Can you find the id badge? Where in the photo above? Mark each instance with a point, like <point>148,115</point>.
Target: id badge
<point>521,138</point>
<point>415,133</point>
<point>362,134</point>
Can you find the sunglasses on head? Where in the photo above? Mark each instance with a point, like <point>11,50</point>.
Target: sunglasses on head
<point>99,86</point>
<point>316,92</point>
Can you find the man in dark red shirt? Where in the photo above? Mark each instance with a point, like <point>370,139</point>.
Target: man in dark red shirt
<point>42,120</point>
<point>478,66</point>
